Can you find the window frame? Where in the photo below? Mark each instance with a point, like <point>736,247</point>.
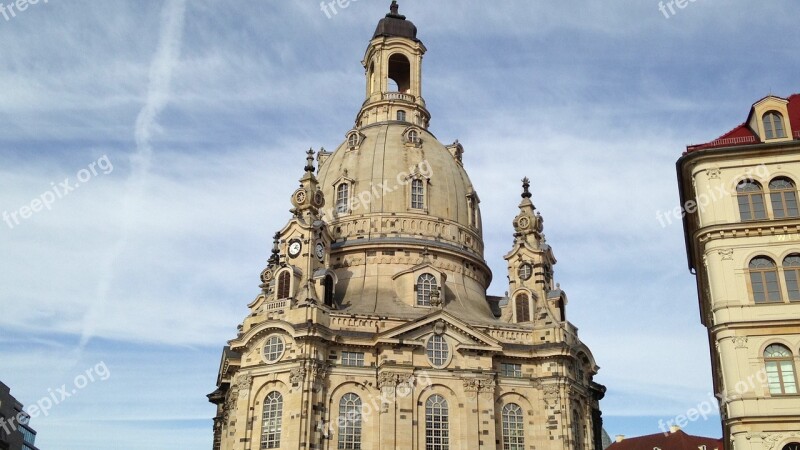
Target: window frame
<point>272,417</point>
<point>522,307</point>
<point>513,433</point>
<point>515,372</point>
<point>273,351</point>
<point>759,276</point>
<point>745,199</point>
<point>437,423</point>
<point>352,359</point>
<point>349,430</point>
<point>779,363</point>
<point>342,205</point>
<point>283,289</point>
<point>417,194</point>
<point>793,295</point>
<point>424,288</point>
<point>784,197</point>
<point>438,351</point>
<point>770,129</point>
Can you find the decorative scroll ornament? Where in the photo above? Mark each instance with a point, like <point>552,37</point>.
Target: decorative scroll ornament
<point>726,254</point>
<point>740,341</point>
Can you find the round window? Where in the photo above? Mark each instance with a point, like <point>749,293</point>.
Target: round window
<point>273,349</point>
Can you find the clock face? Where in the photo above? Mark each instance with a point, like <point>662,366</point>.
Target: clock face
<point>320,251</point>
<point>524,222</point>
<point>300,196</point>
<point>294,248</point>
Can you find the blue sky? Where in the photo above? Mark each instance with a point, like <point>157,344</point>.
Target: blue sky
<point>184,126</point>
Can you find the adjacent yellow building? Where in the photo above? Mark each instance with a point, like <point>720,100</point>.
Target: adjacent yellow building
<point>742,227</point>
<point>373,328</point>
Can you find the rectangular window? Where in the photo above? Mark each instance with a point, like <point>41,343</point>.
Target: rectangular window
<point>511,370</point>
<point>759,211</point>
<point>352,359</point>
<point>417,195</point>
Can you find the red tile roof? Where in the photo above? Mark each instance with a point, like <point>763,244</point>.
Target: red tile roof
<point>670,441</point>
<point>743,135</point>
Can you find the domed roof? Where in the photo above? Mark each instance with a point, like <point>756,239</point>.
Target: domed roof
<point>395,25</point>
<point>379,172</point>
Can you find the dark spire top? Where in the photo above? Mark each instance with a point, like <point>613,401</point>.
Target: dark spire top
<point>394,11</point>
<point>310,161</point>
<point>396,25</point>
<point>526,183</point>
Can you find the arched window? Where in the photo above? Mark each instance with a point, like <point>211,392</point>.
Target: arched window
<point>284,281</point>
<point>400,72</point>
<point>328,286</point>
<point>417,194</point>
<point>792,446</point>
<point>791,272</point>
<point>342,198</point>
<point>783,196</point>
<point>437,350</point>
<point>353,140</point>
<point>577,427</point>
<point>426,284</point>
<point>350,422</point>
<point>764,280</point>
<point>437,427</point>
<point>779,365</point>
<point>751,200</point>
<point>522,307</point>
<point>271,421</point>
<point>401,115</point>
<point>413,136</point>
<point>513,431</point>
<point>773,125</point>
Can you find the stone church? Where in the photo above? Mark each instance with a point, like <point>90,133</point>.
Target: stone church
<point>373,328</point>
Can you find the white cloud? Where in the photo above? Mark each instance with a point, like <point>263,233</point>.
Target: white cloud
<point>593,101</point>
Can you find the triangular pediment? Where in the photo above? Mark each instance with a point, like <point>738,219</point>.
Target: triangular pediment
<point>440,322</point>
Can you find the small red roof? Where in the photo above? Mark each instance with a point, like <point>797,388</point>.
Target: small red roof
<point>744,135</point>
<point>677,440</point>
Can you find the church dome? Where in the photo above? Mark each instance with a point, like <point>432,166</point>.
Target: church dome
<point>401,183</point>
<point>395,25</point>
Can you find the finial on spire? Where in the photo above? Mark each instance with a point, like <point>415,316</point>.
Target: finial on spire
<point>526,184</point>
<point>394,12</point>
<point>273,260</point>
<point>310,161</point>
